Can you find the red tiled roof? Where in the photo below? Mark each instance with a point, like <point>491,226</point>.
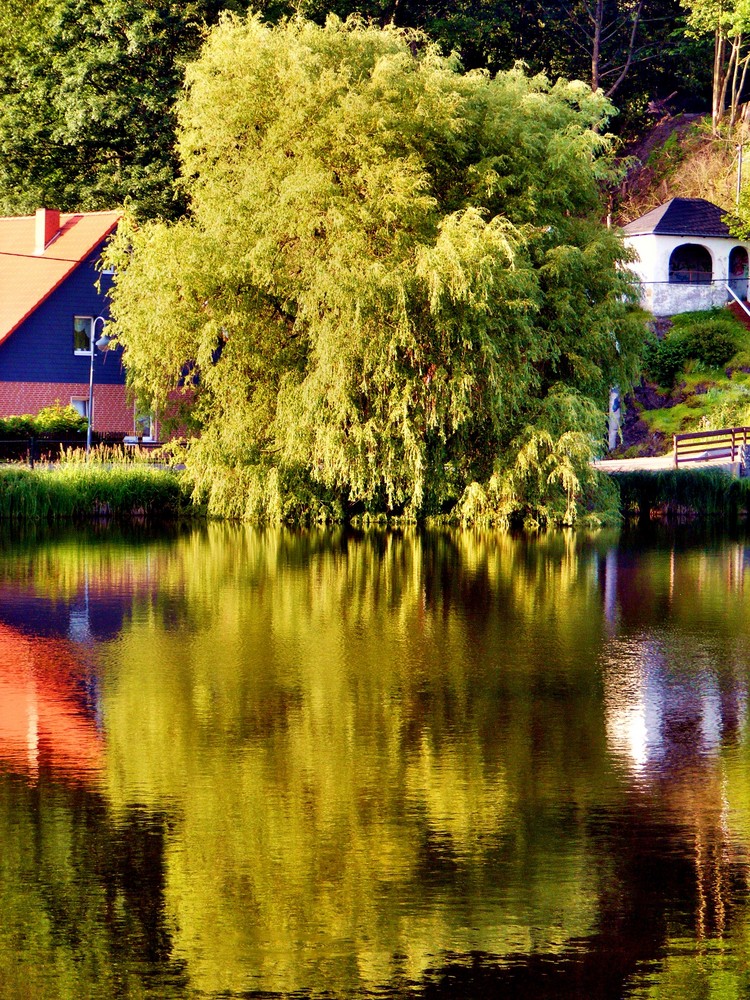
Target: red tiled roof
<point>28,278</point>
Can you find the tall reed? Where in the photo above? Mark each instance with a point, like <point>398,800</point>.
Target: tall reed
<point>682,493</point>
<point>82,491</point>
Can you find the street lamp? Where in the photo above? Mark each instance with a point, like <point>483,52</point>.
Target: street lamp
<point>100,343</point>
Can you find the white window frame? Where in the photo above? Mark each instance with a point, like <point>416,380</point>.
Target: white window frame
<point>80,404</point>
<point>139,420</point>
<point>81,352</point>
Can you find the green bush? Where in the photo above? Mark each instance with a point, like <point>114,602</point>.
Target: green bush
<point>60,421</point>
<point>712,342</point>
<point>53,421</point>
<point>662,359</point>
<point>17,427</point>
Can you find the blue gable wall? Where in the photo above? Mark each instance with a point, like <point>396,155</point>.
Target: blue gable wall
<point>41,349</point>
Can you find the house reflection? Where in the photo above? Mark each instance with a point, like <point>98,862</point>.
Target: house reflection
<point>673,696</point>
<point>658,717</point>
<point>674,677</point>
<point>50,700</point>
<point>47,719</point>
<point>92,614</point>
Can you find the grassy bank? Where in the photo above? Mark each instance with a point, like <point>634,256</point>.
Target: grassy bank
<point>682,493</point>
<point>81,491</point>
<point>696,377</point>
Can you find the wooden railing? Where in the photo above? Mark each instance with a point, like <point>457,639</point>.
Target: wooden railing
<point>705,446</point>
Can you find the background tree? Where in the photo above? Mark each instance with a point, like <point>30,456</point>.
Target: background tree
<point>728,22</point>
<point>87,93</point>
<point>601,41</point>
<point>389,271</point>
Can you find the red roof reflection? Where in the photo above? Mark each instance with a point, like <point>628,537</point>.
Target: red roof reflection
<point>42,720</point>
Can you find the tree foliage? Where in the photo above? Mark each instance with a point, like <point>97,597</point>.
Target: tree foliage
<point>637,50</point>
<point>87,92</point>
<point>728,22</point>
<point>86,115</point>
<point>390,271</point>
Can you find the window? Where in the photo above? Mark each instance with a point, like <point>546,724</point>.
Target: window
<point>80,404</point>
<point>144,427</point>
<point>691,264</point>
<point>83,330</point>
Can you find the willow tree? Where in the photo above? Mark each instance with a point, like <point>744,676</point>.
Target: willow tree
<point>392,280</point>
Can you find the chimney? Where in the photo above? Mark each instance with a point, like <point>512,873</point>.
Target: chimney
<point>47,228</point>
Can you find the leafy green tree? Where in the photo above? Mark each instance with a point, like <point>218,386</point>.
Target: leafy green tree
<point>727,21</point>
<point>87,92</point>
<point>485,33</point>
<point>86,102</point>
<point>391,270</point>
<point>601,41</point>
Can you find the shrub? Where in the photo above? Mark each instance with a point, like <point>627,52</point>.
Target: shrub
<point>17,427</point>
<point>60,421</point>
<point>713,342</point>
<point>662,359</point>
<point>53,421</point>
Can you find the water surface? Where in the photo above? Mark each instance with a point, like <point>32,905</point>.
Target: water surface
<point>266,763</point>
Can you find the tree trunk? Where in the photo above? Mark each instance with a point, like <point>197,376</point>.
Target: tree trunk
<point>596,48</point>
<point>719,87</point>
<point>631,49</point>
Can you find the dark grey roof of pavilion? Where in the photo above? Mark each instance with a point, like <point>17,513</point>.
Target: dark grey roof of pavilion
<point>681,217</point>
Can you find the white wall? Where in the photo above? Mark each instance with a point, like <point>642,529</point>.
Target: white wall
<point>652,268</point>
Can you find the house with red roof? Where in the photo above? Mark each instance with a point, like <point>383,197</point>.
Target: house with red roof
<point>686,257</point>
<point>53,308</point>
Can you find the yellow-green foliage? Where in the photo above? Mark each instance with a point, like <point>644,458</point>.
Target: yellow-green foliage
<point>55,421</point>
<point>80,491</point>
<point>388,265</point>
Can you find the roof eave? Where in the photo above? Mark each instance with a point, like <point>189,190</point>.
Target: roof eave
<point>83,257</point>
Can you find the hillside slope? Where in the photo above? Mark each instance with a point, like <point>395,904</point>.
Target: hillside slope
<point>679,157</point>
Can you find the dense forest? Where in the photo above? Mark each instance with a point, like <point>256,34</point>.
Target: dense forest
<point>87,90</point>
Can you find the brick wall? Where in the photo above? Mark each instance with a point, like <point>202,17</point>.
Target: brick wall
<point>112,414</point>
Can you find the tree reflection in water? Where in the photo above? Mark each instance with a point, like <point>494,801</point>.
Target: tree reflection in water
<point>441,764</point>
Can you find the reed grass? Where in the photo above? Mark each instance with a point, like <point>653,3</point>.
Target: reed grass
<point>109,455</point>
<point>694,493</point>
<point>77,491</point>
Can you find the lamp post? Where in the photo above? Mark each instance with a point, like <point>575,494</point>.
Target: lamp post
<point>100,343</point>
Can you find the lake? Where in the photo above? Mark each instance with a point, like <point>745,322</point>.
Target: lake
<point>245,763</point>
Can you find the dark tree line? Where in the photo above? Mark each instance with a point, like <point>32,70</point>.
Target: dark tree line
<point>87,90</point>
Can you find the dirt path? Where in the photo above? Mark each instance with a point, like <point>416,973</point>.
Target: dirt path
<point>657,464</point>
